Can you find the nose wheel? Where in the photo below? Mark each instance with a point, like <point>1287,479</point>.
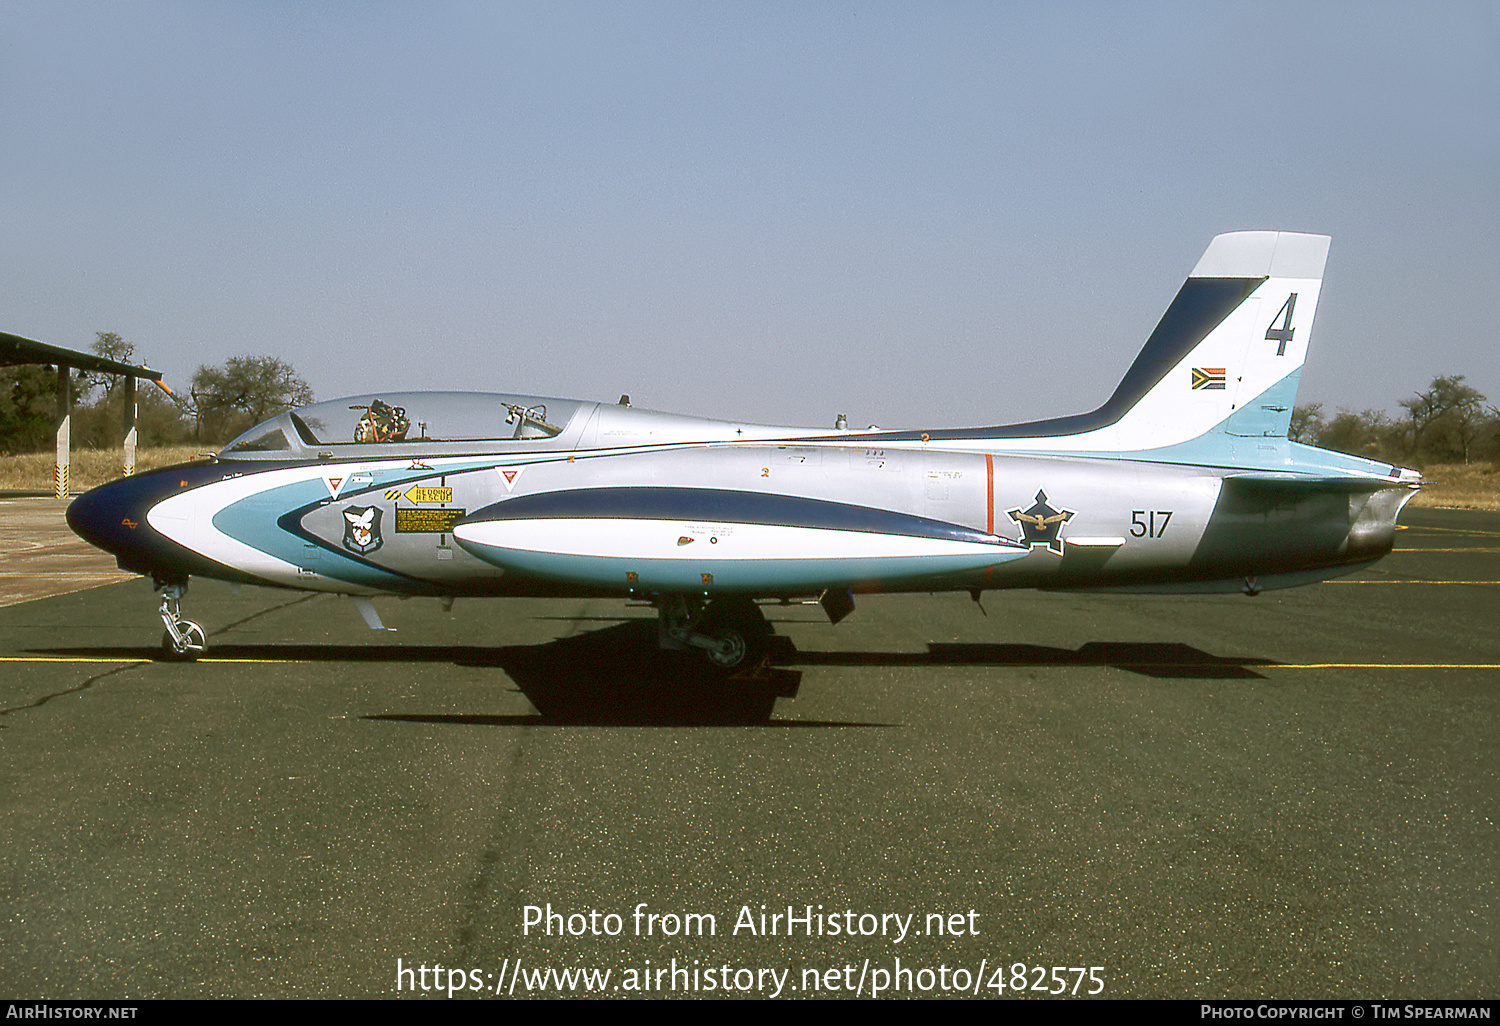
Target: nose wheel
<point>184,640</point>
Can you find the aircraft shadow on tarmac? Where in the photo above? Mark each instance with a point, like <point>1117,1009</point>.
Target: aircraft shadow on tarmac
<point>1148,658</point>
<point>617,676</point>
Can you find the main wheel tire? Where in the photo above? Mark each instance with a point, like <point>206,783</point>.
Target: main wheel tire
<point>741,630</point>
<point>193,643</point>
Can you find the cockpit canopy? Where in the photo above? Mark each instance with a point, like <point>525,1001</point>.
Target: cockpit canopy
<point>395,420</point>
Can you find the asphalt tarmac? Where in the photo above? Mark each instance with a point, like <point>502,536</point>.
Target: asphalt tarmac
<point>1294,795</point>
<point>39,556</point>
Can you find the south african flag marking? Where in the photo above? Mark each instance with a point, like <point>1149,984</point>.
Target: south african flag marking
<point>1208,377</point>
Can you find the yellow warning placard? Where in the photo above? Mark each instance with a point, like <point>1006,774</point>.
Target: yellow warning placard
<point>426,521</point>
<point>416,493</point>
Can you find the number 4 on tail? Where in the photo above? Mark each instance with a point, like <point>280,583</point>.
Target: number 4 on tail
<point>1283,334</point>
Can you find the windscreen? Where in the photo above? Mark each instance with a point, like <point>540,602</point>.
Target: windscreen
<point>408,417</point>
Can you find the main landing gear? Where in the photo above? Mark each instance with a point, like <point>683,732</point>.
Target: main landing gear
<point>184,639</point>
<point>731,632</point>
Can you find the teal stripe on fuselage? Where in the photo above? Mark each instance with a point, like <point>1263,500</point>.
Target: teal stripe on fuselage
<point>758,576</point>
<point>254,521</point>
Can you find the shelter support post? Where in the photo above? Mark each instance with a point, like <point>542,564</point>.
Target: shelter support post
<point>64,431</point>
<point>129,405</point>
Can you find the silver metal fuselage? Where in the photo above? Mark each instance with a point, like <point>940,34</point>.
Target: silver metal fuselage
<point>1184,480</point>
<point>286,517</point>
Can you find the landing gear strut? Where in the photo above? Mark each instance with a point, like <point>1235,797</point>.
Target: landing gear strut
<point>184,639</point>
<point>730,632</point>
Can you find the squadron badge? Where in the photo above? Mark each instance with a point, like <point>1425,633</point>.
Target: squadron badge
<point>362,529</point>
<point>1041,524</point>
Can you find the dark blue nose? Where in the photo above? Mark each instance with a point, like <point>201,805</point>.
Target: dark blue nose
<point>113,517</point>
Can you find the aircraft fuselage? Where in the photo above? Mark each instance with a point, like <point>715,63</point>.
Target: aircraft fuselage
<point>1184,480</point>
<point>730,518</point>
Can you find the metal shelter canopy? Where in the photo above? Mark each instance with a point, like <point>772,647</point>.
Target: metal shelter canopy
<point>17,351</point>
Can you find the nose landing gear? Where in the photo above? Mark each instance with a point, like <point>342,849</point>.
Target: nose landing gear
<point>184,640</point>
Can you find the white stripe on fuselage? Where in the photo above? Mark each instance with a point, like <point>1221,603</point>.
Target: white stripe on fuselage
<point>607,538</point>
<point>187,519</point>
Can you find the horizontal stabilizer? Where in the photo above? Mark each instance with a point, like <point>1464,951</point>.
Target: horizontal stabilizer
<point>1304,482</point>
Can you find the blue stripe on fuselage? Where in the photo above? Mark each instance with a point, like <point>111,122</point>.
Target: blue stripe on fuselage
<point>712,505</point>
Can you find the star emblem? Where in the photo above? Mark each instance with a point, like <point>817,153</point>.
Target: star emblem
<point>1041,524</point>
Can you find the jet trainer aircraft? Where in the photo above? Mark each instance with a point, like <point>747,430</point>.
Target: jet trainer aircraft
<point>1184,481</point>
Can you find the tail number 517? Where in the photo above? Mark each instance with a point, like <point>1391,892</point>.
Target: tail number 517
<point>1149,523</point>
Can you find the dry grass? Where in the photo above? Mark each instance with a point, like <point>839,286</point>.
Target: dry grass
<point>87,468</point>
<point>1468,485</point>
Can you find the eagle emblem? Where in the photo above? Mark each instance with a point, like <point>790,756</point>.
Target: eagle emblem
<point>1041,524</point>
<point>362,529</point>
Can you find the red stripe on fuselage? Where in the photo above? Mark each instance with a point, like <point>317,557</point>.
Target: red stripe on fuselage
<point>989,493</point>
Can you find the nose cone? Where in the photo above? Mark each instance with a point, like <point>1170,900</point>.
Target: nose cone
<point>113,517</point>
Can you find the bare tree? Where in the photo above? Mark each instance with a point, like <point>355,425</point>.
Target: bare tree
<point>1307,423</point>
<point>243,392</point>
<point>1368,433</point>
<point>1446,418</point>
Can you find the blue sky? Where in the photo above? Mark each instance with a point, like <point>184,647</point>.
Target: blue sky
<point>915,214</point>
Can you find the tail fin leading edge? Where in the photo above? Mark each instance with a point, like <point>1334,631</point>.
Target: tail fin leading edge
<point>1228,353</point>
<point>1223,363</point>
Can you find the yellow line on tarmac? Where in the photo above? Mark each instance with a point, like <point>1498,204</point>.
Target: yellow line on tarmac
<point>1454,530</point>
<point>1225,664</point>
<point>156,659</point>
<point>69,659</point>
<point>74,659</point>
<point>247,659</point>
<point>1347,581</point>
<point>1370,666</point>
<point>136,659</point>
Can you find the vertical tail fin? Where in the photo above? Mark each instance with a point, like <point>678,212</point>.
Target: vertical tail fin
<point>1228,353</point>
<point>1223,363</point>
